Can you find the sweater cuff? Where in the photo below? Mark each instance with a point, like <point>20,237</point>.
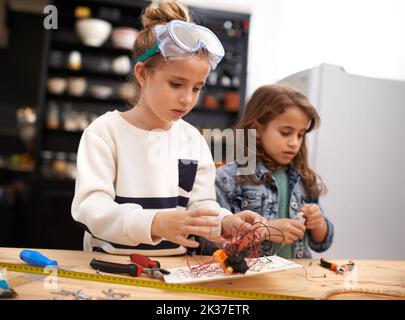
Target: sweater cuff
<point>138,227</point>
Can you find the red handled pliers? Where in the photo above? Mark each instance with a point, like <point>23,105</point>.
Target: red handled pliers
<point>141,265</point>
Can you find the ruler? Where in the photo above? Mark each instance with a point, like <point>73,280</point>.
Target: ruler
<point>142,282</point>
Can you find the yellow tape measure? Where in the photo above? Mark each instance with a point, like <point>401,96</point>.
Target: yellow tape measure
<point>141,282</point>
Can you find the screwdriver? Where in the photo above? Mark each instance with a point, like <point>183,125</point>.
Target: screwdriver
<point>35,258</point>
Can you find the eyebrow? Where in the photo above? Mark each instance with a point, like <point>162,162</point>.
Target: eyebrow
<point>290,127</point>
<point>186,80</point>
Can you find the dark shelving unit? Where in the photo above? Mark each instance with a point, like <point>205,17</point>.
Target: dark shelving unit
<point>50,223</point>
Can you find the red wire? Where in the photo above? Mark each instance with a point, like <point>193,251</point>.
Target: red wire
<point>243,240</point>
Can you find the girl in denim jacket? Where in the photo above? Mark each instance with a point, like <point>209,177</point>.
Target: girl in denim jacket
<point>283,187</point>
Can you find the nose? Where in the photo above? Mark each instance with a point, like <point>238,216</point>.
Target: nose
<point>187,98</point>
<point>294,142</point>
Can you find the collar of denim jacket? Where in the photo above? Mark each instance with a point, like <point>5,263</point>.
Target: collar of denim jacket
<point>261,170</point>
<point>292,173</point>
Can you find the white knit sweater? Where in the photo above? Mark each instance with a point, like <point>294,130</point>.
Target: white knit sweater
<point>125,175</point>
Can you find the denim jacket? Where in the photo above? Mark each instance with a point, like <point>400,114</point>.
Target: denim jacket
<point>263,199</point>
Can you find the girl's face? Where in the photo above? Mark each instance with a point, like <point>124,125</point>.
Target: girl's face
<point>283,136</point>
<point>171,90</point>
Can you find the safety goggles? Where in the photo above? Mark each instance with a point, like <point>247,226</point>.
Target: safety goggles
<point>181,40</point>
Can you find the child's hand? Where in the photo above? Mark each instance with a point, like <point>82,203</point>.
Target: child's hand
<point>238,223</point>
<point>313,216</point>
<point>177,225</point>
<point>290,228</point>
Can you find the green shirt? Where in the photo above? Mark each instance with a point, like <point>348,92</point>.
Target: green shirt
<point>281,179</point>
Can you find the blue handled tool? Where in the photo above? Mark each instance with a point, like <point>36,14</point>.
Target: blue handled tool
<point>34,258</point>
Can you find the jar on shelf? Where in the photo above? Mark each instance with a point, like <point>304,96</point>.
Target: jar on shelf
<point>210,102</point>
<point>83,120</point>
<point>47,157</point>
<point>226,81</point>
<point>60,165</point>
<point>232,101</point>
<point>72,171</point>
<point>70,119</point>
<point>212,78</point>
<point>52,118</point>
<point>82,12</point>
<point>75,60</point>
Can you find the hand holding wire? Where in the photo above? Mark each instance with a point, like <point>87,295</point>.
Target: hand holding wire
<point>289,230</point>
<point>242,222</point>
<point>313,216</point>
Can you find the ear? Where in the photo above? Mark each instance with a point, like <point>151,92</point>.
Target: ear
<point>140,73</point>
<point>256,125</point>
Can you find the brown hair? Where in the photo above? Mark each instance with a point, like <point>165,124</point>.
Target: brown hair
<point>152,15</point>
<point>266,103</point>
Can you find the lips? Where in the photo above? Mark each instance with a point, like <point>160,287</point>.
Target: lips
<point>179,112</point>
<point>289,154</point>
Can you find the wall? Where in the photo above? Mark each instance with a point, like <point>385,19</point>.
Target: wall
<point>286,36</point>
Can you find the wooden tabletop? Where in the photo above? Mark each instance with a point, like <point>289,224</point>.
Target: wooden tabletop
<point>370,279</point>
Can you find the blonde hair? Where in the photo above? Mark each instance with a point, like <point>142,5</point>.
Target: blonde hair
<point>152,15</point>
<point>266,103</point>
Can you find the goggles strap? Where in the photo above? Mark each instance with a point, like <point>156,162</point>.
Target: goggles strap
<point>149,53</point>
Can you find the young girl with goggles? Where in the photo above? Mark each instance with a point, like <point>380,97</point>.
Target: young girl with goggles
<point>145,177</point>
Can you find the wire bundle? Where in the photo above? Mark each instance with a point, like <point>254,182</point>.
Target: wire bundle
<point>240,253</point>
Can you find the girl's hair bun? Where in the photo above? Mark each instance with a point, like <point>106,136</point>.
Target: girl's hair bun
<point>163,13</point>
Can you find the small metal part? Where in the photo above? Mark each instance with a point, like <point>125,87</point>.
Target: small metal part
<point>115,295</point>
<point>63,292</point>
<point>318,276</point>
<point>80,295</point>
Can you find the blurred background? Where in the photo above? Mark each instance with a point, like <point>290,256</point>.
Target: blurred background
<point>347,56</point>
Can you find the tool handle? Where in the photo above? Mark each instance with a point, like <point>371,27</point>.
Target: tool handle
<point>144,261</point>
<point>36,258</point>
<point>112,267</point>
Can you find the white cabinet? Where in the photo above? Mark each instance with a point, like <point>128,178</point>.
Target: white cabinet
<point>359,151</point>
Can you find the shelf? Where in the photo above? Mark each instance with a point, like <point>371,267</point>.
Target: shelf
<point>9,132</point>
<point>123,5</point>
<point>65,40</point>
<point>57,182</point>
<point>218,112</point>
<point>64,72</point>
<point>69,18</point>
<point>215,111</point>
<point>63,131</point>
<point>221,87</point>
<point>70,42</point>
<point>88,99</point>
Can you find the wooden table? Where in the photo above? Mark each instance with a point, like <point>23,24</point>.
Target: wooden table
<point>370,279</point>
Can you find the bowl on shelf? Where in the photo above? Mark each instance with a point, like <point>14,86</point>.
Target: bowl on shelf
<point>121,65</point>
<point>101,91</point>
<point>210,102</point>
<point>124,37</point>
<point>93,32</point>
<point>232,101</point>
<point>76,86</point>
<point>57,85</point>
